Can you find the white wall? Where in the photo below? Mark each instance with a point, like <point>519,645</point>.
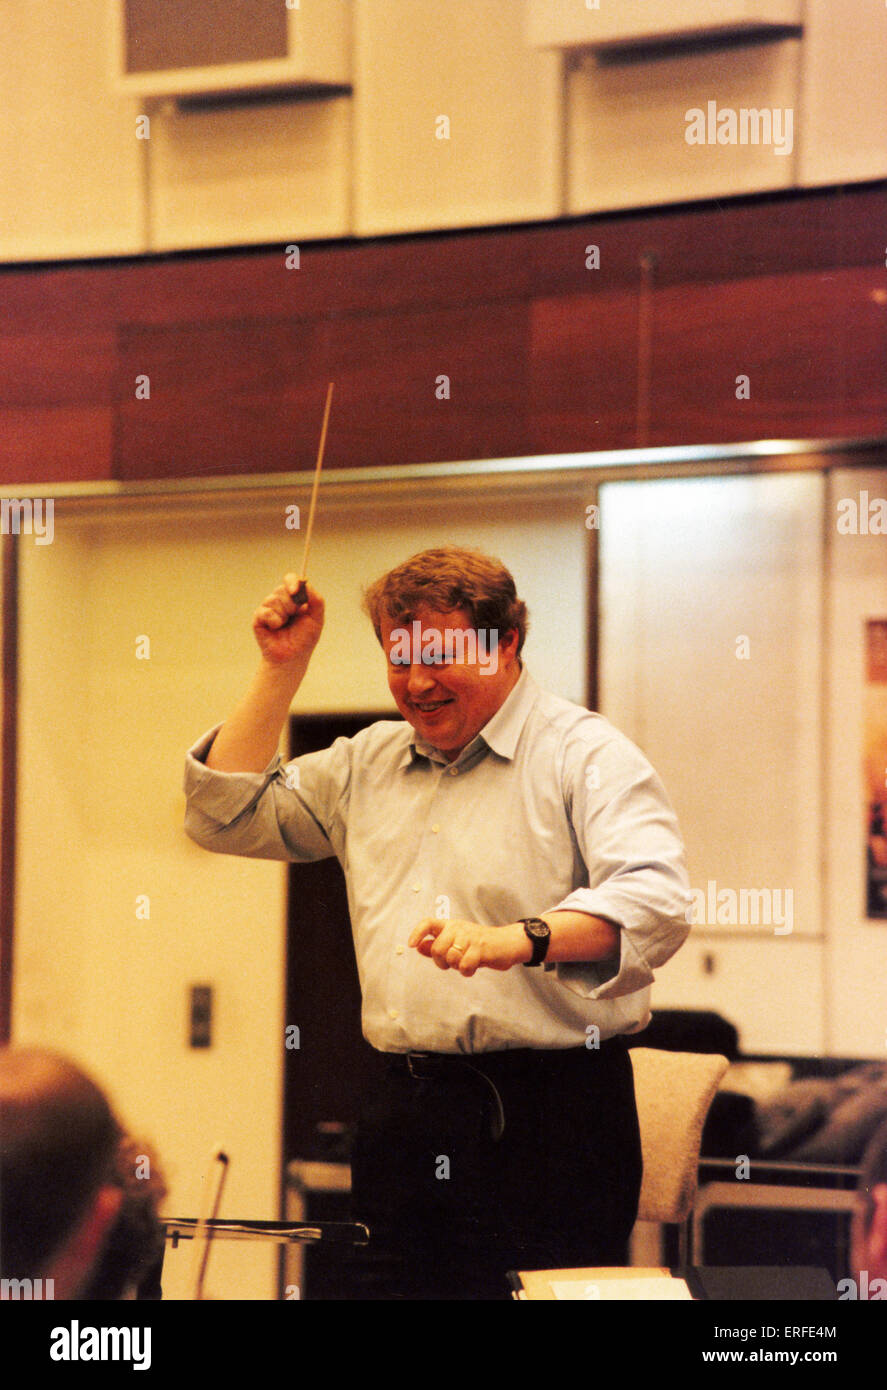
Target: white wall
<point>71,169</point>
<point>627,127</point>
<point>842,92</point>
<point>468,62</point>
<point>763,757</point>
<point>856,973</point>
<point>692,570</point>
<point>249,174</point>
<point>102,742</point>
<point>533,135</point>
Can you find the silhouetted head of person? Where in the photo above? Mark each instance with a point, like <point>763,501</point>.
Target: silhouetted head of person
<point>59,1142</point>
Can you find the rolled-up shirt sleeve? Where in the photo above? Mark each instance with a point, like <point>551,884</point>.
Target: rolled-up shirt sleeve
<point>630,842</point>
<point>262,815</point>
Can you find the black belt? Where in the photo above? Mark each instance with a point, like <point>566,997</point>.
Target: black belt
<point>431,1066</point>
<point>436,1066</point>
<point>488,1067</point>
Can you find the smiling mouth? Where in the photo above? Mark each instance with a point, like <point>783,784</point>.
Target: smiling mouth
<point>430,707</point>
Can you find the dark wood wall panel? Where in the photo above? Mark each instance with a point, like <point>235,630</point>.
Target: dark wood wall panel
<point>334,279</point>
<point>56,403</point>
<point>66,368</point>
<point>728,240</point>
<point>246,396</point>
<point>54,300</point>
<point>814,347</point>
<point>704,244</point>
<point>233,397</point>
<point>584,371</point>
<point>56,444</point>
<point>388,411</point>
<point>541,351</point>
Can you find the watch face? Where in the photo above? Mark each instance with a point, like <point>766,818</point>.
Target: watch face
<point>537,928</point>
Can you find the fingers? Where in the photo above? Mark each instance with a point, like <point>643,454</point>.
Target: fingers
<point>436,939</point>
<point>286,630</point>
<point>301,597</point>
<point>449,957</point>
<point>448,944</point>
<point>281,606</point>
<point>470,961</point>
<point>273,612</point>
<point>423,928</point>
<point>278,607</point>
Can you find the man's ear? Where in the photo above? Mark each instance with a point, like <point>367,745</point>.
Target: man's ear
<point>73,1262</point>
<point>508,642</point>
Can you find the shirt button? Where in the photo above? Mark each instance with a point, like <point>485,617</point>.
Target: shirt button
<point>417,888</point>
<point>453,771</point>
<point>392,1013</point>
<point>398,950</point>
<point>435,829</point>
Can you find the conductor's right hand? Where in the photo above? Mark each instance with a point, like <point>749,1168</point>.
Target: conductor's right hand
<point>287,633</point>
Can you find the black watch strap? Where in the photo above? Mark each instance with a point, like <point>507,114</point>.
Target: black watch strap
<point>539,935</point>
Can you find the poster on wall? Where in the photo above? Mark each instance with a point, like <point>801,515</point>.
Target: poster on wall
<point>875,736</point>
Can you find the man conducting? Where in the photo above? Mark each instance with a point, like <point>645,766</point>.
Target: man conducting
<point>515,873</point>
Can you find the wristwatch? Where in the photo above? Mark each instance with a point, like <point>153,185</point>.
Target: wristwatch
<point>539,934</point>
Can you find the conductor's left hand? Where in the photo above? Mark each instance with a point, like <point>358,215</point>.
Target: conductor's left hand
<point>454,944</point>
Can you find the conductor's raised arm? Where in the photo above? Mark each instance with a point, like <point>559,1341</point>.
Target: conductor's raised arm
<point>287,635</point>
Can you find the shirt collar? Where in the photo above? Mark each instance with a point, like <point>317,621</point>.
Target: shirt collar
<point>500,733</point>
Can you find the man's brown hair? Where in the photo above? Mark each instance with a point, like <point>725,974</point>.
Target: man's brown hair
<point>443,580</point>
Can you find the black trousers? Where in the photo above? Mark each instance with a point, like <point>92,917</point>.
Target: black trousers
<point>466,1167</point>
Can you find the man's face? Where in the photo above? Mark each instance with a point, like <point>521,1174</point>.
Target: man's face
<point>447,679</point>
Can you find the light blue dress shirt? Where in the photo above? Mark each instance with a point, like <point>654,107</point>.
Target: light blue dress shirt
<point>550,807</point>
